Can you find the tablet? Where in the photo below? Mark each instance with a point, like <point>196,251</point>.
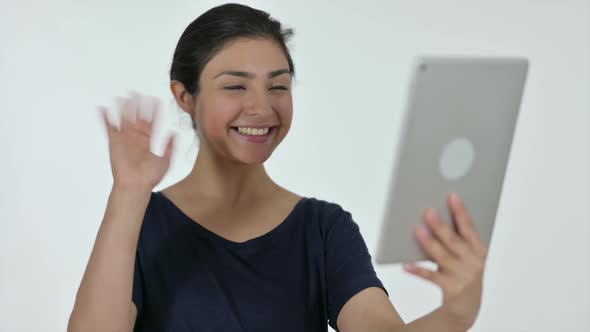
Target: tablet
<point>456,136</point>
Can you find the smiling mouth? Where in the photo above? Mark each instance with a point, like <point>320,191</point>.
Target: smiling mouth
<point>254,132</point>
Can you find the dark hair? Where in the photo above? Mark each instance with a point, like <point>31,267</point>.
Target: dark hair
<point>211,31</point>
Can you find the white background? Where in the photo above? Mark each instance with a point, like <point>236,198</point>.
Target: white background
<point>60,59</point>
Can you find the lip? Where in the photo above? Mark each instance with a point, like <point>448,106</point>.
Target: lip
<point>254,138</point>
<point>255,126</point>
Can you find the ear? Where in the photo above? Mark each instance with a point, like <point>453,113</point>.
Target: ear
<point>183,97</point>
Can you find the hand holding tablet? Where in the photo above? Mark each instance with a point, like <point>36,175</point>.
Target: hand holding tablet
<point>449,171</point>
<point>456,138</point>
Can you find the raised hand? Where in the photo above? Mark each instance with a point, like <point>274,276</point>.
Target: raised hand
<point>134,166</point>
<point>460,256</point>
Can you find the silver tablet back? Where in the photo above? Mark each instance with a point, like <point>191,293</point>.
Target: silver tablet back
<point>457,134</point>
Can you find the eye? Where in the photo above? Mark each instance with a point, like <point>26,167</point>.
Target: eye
<point>234,87</point>
<point>279,87</point>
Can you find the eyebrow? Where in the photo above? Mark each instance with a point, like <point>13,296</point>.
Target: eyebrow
<point>246,74</point>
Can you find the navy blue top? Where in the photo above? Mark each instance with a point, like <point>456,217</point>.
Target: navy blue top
<point>296,277</point>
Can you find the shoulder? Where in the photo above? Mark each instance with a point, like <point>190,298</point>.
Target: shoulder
<point>156,206</point>
<point>160,220</point>
<point>313,210</point>
<point>327,210</point>
<point>330,217</point>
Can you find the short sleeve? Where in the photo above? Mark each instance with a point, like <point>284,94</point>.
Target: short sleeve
<point>137,296</point>
<point>349,269</point>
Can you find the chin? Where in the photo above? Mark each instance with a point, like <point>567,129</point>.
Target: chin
<point>252,159</point>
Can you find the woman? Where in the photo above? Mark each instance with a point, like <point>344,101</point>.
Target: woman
<point>228,249</point>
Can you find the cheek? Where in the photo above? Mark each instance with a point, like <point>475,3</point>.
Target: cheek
<point>217,114</point>
<point>285,111</point>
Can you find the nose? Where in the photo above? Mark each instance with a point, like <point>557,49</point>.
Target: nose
<point>257,103</point>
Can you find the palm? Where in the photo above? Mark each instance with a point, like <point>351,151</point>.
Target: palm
<point>133,163</point>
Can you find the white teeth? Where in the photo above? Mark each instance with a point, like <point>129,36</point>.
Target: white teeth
<point>254,131</point>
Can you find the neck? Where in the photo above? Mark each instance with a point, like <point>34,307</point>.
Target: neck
<point>231,184</point>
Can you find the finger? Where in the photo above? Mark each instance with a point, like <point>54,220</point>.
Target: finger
<point>110,129</point>
<point>421,272</point>
<point>124,120</point>
<point>426,274</point>
<point>141,105</point>
<point>128,113</point>
<point>144,127</point>
<point>143,124</point>
<point>135,105</point>
<point>155,107</point>
<point>435,250</point>
<point>445,234</point>
<point>464,224</point>
<point>152,110</point>
<point>449,285</point>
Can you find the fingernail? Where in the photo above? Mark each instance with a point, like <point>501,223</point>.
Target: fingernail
<point>431,214</point>
<point>455,198</point>
<point>422,233</point>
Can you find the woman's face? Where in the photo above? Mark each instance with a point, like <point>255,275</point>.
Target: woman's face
<point>244,107</point>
